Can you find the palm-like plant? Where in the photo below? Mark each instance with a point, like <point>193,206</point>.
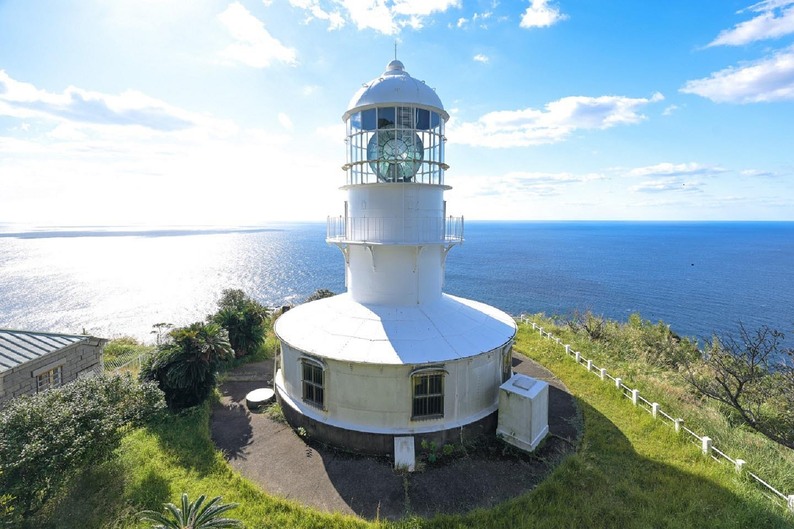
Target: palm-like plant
<point>244,319</point>
<point>185,367</point>
<point>193,515</point>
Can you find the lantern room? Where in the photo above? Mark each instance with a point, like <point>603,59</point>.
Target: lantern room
<point>395,131</point>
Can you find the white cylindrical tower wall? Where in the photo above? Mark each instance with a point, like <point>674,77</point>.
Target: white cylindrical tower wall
<point>395,275</point>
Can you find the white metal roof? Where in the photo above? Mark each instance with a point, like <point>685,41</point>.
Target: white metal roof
<point>395,86</point>
<point>342,329</point>
<point>18,347</point>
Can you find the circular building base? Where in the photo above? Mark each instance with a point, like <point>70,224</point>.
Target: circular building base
<point>382,444</point>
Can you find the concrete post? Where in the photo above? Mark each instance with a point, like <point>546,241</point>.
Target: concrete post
<point>618,382</point>
<point>679,424</point>
<point>567,349</point>
<point>603,373</point>
<point>589,365</point>
<point>706,445</point>
<point>635,396</point>
<point>540,330</point>
<point>791,502</point>
<point>533,325</point>
<point>740,465</point>
<point>655,409</point>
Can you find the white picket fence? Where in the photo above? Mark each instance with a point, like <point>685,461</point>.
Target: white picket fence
<point>654,409</point>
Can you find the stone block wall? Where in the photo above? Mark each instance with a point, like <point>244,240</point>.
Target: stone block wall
<point>78,360</point>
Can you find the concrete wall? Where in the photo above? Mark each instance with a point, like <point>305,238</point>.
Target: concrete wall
<point>80,359</point>
<point>378,399</point>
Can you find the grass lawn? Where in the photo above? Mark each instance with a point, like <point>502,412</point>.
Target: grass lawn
<point>630,471</point>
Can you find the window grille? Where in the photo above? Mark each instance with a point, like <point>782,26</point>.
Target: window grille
<point>49,379</point>
<point>428,395</point>
<point>313,383</point>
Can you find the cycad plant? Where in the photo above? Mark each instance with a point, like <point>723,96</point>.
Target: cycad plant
<point>193,515</point>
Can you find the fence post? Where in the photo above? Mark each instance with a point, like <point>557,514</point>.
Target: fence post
<point>679,424</point>
<point>791,502</point>
<point>706,445</point>
<point>618,382</point>
<point>533,325</point>
<point>635,396</point>
<point>578,356</point>
<point>567,349</point>
<point>655,409</point>
<point>540,330</point>
<point>603,373</point>
<point>740,465</point>
<point>589,365</point>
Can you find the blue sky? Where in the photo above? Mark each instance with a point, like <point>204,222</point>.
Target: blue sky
<point>119,112</point>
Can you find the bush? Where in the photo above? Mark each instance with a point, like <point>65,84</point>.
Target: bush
<point>47,438</point>
<point>244,319</point>
<point>185,367</point>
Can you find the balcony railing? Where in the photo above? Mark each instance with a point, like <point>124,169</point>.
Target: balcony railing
<point>390,230</point>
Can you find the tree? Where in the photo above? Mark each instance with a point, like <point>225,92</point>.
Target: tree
<point>320,294</point>
<point>754,376</point>
<point>185,366</point>
<point>244,319</point>
<point>47,438</point>
<point>193,515</point>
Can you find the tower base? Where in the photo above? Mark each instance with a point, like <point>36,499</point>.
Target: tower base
<point>367,443</point>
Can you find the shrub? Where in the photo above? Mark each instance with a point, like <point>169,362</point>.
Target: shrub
<point>193,515</point>
<point>49,437</point>
<point>244,319</point>
<point>185,367</point>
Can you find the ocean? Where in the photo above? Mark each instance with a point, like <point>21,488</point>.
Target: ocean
<point>699,277</point>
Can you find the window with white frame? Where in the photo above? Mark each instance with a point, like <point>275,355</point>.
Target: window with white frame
<point>313,376</point>
<point>49,379</point>
<point>428,394</point>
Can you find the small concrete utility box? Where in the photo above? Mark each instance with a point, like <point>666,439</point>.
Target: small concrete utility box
<point>523,411</point>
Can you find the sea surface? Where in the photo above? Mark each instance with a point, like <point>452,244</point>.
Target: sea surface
<point>700,277</point>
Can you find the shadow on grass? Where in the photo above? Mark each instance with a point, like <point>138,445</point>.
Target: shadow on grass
<point>608,484</point>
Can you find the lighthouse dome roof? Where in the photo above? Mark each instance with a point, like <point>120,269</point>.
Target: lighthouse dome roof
<point>395,86</point>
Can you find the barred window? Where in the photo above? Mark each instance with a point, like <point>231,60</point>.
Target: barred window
<point>49,379</point>
<point>428,395</point>
<point>313,383</point>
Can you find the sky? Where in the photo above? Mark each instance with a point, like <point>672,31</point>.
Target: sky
<point>218,112</point>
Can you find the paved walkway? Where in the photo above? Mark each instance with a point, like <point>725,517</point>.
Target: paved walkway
<point>284,464</point>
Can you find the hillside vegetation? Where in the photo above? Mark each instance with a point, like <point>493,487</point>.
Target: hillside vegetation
<point>629,471</point>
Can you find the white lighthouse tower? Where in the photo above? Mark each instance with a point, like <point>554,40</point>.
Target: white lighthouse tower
<point>393,356</point>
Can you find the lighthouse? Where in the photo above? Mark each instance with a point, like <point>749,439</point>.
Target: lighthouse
<point>394,357</point>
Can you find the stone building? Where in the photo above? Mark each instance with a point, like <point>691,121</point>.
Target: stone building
<point>31,362</point>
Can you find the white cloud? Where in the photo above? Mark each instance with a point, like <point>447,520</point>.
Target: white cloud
<point>676,169</point>
<point>765,80</point>
<point>371,14</point>
<point>314,10</point>
<point>669,110</point>
<point>480,58</point>
<point>384,16</point>
<point>136,171</point>
<point>423,7</point>
<point>254,45</point>
<point>662,185</point>
<point>776,19</point>
<point>558,120</point>
<point>540,15</point>
<point>285,121</point>
<point>19,99</point>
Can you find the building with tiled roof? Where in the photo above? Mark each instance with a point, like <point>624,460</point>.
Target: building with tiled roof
<point>31,362</point>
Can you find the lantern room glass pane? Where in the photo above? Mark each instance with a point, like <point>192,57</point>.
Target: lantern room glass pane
<point>368,119</point>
